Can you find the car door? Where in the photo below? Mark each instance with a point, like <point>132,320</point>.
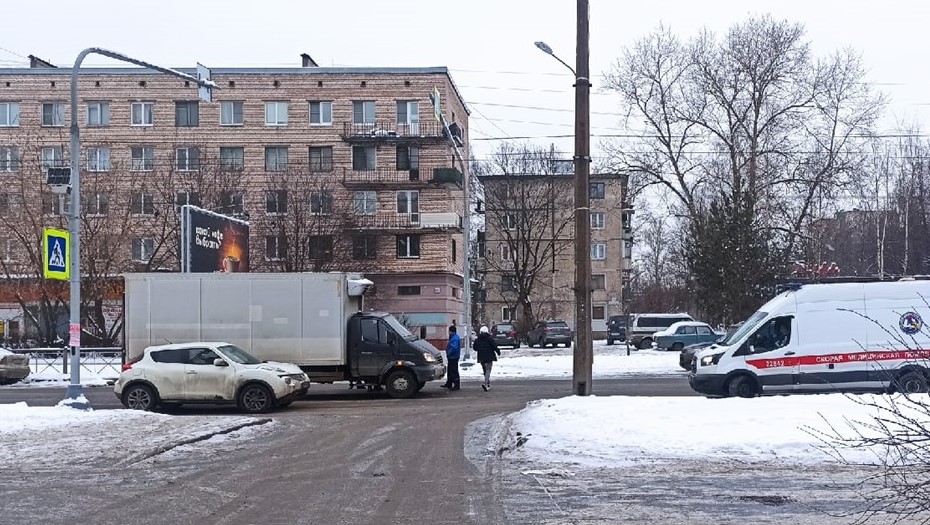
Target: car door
<point>167,374</point>
<point>372,349</point>
<point>204,380</point>
<point>686,335</point>
<point>772,355</point>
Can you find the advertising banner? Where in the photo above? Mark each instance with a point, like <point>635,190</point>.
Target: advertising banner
<point>211,242</point>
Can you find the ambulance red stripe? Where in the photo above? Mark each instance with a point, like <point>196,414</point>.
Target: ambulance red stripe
<point>854,357</point>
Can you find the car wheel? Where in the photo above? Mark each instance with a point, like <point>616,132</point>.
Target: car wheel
<point>742,386</point>
<point>610,341</point>
<point>568,344</point>
<point>140,397</point>
<point>256,399</point>
<point>401,384</point>
<point>677,347</point>
<point>911,383</point>
<point>645,344</point>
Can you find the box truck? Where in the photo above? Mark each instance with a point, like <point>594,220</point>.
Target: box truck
<point>316,321</point>
<point>843,337</point>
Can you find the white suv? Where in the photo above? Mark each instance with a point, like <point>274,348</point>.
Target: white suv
<point>208,373</point>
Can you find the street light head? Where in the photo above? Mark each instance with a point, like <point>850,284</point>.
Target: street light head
<point>543,47</point>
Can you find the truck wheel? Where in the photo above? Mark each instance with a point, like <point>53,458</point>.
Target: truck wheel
<point>401,384</point>
<point>645,344</point>
<point>742,386</point>
<point>255,399</point>
<point>677,347</point>
<point>139,397</point>
<point>911,382</point>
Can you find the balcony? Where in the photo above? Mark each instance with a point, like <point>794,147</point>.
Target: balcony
<point>408,221</point>
<point>389,131</point>
<point>401,178</point>
<point>443,221</point>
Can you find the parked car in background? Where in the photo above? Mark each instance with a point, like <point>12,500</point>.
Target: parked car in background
<point>616,328</point>
<point>549,333</point>
<point>684,333</point>
<point>208,373</point>
<point>686,358</point>
<point>505,334</point>
<point>13,367</point>
<point>643,326</point>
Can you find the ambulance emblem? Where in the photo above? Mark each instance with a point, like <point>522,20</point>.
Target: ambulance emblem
<point>910,323</point>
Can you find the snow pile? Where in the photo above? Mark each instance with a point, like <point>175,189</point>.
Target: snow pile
<point>620,431</point>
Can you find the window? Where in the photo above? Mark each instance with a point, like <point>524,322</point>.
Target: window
<point>276,158</point>
<point>9,203</point>
<point>408,246</point>
<point>408,290</point>
<point>276,113</point>
<point>455,251</point>
<point>320,247</point>
<point>507,253</point>
<point>321,158</point>
<point>597,220</point>
<point>9,249</point>
<point>187,113</point>
<point>598,251</point>
<point>53,114</point>
<point>143,248</point>
<point>686,330</point>
<point>143,113</point>
<point>509,222</point>
<point>364,247</point>
<point>232,159</point>
<point>186,197</point>
<point>364,158</point>
<point>373,331</point>
<point>408,158</point>
<point>202,356</point>
<point>596,190</point>
<point>142,203</point>
<point>408,202</point>
<point>51,204</point>
<point>9,158</point>
<point>704,330</point>
<point>98,158</point>
<point>508,283</point>
<point>98,113</point>
<point>408,117</point>
<point>231,113</point>
<point>507,314</point>
<point>321,113</point>
<point>366,202</point>
<point>53,157</point>
<point>363,112</point>
<point>321,202</point>
<point>95,203</point>
<point>231,202</point>
<point>143,158</point>
<point>598,281</point>
<point>187,159</point>
<point>597,312</point>
<point>275,247</point>
<point>276,201</point>
<point>9,114</point>
<point>177,357</point>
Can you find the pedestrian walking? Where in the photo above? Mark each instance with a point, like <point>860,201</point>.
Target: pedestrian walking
<point>487,351</point>
<point>453,352</point>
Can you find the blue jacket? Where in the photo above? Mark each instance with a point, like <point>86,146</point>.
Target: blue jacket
<point>454,346</point>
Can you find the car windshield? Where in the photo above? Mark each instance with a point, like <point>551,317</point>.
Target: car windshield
<point>238,355</point>
<point>748,326</point>
<point>399,328</point>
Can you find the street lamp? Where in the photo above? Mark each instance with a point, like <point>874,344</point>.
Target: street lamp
<point>584,351</point>
<point>74,396</point>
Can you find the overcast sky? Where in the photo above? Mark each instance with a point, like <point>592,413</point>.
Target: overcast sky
<point>511,88</point>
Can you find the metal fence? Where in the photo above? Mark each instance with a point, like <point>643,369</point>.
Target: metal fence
<point>93,360</point>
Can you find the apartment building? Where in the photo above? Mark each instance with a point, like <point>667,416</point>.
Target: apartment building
<point>336,169</point>
<point>528,247</point>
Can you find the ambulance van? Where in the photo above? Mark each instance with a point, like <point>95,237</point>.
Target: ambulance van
<point>838,337</point>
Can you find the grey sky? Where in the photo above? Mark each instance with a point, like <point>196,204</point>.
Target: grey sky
<point>487,44</point>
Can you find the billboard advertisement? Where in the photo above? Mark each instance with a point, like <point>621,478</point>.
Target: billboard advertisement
<point>212,242</point>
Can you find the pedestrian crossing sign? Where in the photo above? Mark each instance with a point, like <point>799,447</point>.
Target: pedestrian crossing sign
<point>56,260</point>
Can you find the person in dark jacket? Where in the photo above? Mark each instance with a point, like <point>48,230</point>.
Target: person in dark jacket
<point>453,352</point>
<point>487,351</point>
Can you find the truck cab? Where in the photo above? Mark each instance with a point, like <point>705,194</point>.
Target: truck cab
<point>382,351</point>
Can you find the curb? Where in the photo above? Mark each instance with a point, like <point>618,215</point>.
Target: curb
<point>192,439</point>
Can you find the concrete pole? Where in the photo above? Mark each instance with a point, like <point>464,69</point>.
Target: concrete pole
<point>584,351</point>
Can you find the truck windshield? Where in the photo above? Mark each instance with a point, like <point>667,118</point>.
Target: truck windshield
<point>747,327</point>
<point>238,355</point>
<point>400,329</point>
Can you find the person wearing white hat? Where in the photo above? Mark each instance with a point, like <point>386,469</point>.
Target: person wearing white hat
<point>487,351</point>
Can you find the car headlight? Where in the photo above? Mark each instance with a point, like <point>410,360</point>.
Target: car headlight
<point>712,359</point>
<point>428,357</point>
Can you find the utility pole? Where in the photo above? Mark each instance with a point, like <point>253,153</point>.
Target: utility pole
<point>584,350</point>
